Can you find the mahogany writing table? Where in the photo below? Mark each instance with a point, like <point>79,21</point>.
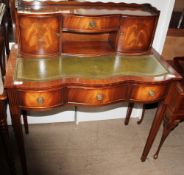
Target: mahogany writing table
<point>82,53</point>
<point>55,82</point>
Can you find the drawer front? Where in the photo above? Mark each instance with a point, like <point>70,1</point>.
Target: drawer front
<point>91,24</point>
<point>101,96</point>
<point>148,93</point>
<point>40,99</point>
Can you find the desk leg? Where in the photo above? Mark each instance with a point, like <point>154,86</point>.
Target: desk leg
<point>154,129</point>
<point>5,137</point>
<point>168,126</point>
<point>129,112</point>
<point>16,121</point>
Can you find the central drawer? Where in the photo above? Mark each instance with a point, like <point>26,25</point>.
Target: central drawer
<point>40,99</point>
<point>97,96</point>
<point>91,24</point>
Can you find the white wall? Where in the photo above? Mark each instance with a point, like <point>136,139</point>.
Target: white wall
<point>117,110</point>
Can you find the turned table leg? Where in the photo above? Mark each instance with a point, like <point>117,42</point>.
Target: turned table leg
<point>154,129</point>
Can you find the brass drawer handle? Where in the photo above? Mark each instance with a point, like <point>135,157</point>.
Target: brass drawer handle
<point>92,24</point>
<point>151,93</point>
<point>99,97</point>
<point>40,100</point>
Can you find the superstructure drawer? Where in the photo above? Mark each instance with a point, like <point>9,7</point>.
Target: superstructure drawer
<point>91,24</point>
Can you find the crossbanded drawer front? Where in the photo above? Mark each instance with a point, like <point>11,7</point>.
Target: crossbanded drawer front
<point>97,96</point>
<point>148,93</point>
<point>40,99</point>
<point>91,24</point>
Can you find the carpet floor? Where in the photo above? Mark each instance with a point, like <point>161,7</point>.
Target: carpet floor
<point>100,148</point>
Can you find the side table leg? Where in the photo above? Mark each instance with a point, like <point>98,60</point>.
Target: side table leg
<point>142,116</point>
<point>129,111</point>
<point>5,138</point>
<point>154,129</point>
<point>26,127</point>
<point>168,126</point>
<point>16,122</point>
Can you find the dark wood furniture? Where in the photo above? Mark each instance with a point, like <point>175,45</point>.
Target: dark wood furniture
<point>4,135</point>
<point>82,53</point>
<point>7,25</point>
<point>174,113</point>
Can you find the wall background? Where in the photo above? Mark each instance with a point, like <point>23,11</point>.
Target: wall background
<point>67,113</point>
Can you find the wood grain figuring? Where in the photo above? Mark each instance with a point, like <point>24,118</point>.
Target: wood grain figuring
<point>87,29</point>
<point>136,34</point>
<point>45,33</point>
<point>88,44</point>
<point>148,93</point>
<point>39,35</point>
<point>100,96</point>
<point>91,24</point>
<point>40,99</point>
<point>87,48</point>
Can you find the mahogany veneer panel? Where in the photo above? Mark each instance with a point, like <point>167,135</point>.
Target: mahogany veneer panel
<point>148,93</point>
<point>91,24</point>
<point>136,34</point>
<point>40,99</point>
<point>38,35</point>
<point>97,96</point>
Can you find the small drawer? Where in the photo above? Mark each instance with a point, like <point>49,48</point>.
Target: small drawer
<point>91,24</point>
<point>99,96</point>
<point>148,93</point>
<point>40,99</point>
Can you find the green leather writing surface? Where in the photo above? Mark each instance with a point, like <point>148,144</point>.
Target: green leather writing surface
<point>102,67</point>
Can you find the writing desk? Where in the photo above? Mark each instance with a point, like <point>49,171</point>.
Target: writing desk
<point>56,82</point>
<point>82,53</point>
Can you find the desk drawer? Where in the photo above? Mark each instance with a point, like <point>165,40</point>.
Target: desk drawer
<point>148,93</point>
<point>40,99</point>
<point>91,24</point>
<point>100,96</point>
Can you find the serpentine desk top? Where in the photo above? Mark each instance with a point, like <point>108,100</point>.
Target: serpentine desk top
<point>44,69</point>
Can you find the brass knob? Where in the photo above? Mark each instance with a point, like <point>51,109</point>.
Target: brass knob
<point>99,97</point>
<point>92,24</point>
<point>151,93</point>
<point>40,100</point>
